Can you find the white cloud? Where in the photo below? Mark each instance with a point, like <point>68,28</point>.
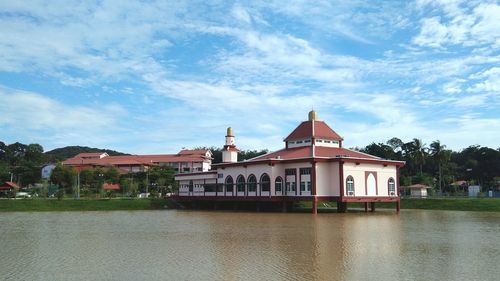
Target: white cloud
<point>468,25</point>
<point>33,116</point>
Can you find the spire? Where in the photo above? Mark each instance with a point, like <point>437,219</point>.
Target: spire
<point>312,115</point>
<point>229,132</point>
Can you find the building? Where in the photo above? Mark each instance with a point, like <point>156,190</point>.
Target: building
<point>417,190</point>
<point>185,161</point>
<point>7,188</point>
<point>313,166</point>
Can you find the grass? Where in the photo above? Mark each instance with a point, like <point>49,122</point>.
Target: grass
<point>42,205</point>
<point>452,204</point>
<point>34,205</point>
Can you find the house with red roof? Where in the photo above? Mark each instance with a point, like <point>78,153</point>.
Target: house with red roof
<point>313,166</point>
<point>185,161</point>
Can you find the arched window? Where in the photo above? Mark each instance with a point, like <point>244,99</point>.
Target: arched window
<point>350,186</point>
<point>278,184</point>
<point>391,184</point>
<point>191,186</point>
<point>252,183</point>
<point>265,183</point>
<point>240,183</point>
<point>229,184</point>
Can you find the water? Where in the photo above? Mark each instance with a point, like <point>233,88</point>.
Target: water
<point>197,245</point>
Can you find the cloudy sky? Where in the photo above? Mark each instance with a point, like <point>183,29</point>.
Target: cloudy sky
<point>157,76</point>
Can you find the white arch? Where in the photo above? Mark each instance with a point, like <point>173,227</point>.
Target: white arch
<point>371,185</point>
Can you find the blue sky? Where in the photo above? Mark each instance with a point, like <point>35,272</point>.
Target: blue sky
<point>157,76</point>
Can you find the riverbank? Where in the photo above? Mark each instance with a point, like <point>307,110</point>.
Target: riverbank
<point>44,205</point>
<point>450,204</point>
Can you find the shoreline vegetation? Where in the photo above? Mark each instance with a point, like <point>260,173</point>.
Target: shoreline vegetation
<point>122,204</point>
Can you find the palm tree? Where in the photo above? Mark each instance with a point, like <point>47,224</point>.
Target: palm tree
<point>419,152</point>
<point>440,156</point>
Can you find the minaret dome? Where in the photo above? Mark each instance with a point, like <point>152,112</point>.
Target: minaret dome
<point>312,115</point>
<point>230,132</point>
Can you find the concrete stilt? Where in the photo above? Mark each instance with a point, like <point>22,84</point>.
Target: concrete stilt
<point>315,205</point>
<point>372,206</point>
<point>366,207</point>
<point>341,207</point>
<point>398,206</point>
<point>283,207</point>
<point>258,206</point>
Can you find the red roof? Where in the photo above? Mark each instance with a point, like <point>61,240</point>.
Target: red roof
<point>90,154</point>
<point>193,152</point>
<point>320,151</point>
<point>136,160</point>
<point>319,130</point>
<point>8,185</point>
<point>111,186</point>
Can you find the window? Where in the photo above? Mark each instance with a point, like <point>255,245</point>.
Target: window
<point>307,141</point>
<point>327,141</point>
<point>350,185</point>
<point>290,186</point>
<point>210,187</point>
<point>290,172</point>
<point>265,183</point>
<point>299,142</point>
<point>220,176</point>
<point>302,186</point>
<point>392,187</point>
<point>185,169</point>
<point>305,171</point>
<point>335,142</point>
<point>308,186</point>
<point>190,186</point>
<point>291,142</point>
<point>252,183</point>
<point>278,184</point>
<point>229,184</point>
<point>319,140</point>
<point>240,183</point>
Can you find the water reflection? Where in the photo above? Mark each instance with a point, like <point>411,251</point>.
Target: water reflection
<point>186,245</point>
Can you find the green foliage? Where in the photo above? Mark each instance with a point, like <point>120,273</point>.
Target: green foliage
<point>64,177</point>
<point>60,154</point>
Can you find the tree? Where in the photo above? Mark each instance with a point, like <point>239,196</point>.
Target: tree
<point>441,156</point>
<point>417,152</point>
<point>64,177</point>
<point>112,175</point>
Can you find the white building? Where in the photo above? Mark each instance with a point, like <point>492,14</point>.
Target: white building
<point>313,166</point>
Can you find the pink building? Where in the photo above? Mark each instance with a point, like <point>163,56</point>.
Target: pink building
<point>313,166</point>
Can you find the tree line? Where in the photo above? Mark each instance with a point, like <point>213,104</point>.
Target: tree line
<point>435,165</point>
<point>431,164</point>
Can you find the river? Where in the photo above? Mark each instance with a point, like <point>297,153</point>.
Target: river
<point>213,245</point>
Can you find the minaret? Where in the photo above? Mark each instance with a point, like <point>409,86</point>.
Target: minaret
<point>312,117</point>
<point>229,151</point>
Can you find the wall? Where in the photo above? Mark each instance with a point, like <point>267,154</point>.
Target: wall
<point>327,179</point>
<point>358,172</point>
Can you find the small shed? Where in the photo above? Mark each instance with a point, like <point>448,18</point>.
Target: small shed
<point>474,190</point>
<point>417,190</point>
<point>111,186</point>
<point>9,186</point>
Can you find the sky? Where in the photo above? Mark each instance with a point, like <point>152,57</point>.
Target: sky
<point>158,76</point>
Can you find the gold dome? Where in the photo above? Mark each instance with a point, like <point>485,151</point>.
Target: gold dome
<point>229,132</point>
<point>312,115</point>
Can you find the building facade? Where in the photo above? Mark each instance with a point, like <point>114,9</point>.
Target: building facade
<point>313,166</point>
<point>185,161</point>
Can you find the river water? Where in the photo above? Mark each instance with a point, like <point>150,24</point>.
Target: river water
<point>211,245</point>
